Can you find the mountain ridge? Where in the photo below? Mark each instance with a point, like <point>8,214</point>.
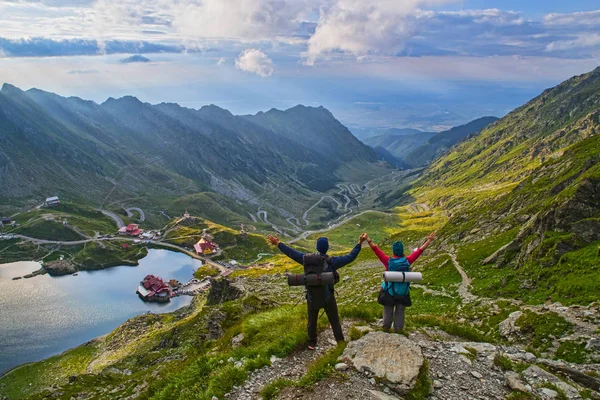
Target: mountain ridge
<point>125,148</point>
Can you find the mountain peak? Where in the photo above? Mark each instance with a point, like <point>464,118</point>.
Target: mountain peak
<point>215,110</point>
<point>126,100</point>
<point>7,88</point>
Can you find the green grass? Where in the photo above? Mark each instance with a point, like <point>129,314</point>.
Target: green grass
<point>49,230</point>
<point>423,385</point>
<point>450,326</point>
<point>94,256</point>
<point>378,225</point>
<point>551,386</point>
<point>573,351</point>
<point>505,364</point>
<point>541,328</point>
<point>318,370</point>
<point>31,378</point>
<point>206,271</point>
<point>516,395</point>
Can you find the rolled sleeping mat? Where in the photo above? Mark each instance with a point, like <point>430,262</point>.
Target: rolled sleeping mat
<point>391,276</point>
<point>326,278</point>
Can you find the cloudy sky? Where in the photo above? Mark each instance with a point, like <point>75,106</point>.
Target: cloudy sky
<point>379,63</point>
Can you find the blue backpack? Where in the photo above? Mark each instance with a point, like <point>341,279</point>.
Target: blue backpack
<point>397,289</point>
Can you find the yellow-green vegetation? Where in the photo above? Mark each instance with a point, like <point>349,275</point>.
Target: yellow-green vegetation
<point>234,244</point>
<point>210,206</point>
<point>29,379</point>
<point>206,271</point>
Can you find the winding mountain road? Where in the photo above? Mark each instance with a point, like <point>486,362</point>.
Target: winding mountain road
<point>114,217</point>
<point>307,233</point>
<point>139,210</point>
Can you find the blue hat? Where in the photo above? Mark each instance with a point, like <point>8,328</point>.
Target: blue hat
<point>322,245</point>
<point>398,249</point>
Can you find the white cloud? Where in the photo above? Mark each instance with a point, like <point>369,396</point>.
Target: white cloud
<point>362,27</point>
<point>221,61</point>
<point>245,20</point>
<point>577,18</point>
<point>255,61</point>
<point>583,41</point>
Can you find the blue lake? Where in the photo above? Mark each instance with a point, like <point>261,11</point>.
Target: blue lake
<point>43,316</point>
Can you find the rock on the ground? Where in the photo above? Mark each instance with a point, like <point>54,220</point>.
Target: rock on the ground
<point>341,367</point>
<point>513,380</point>
<point>507,327</point>
<point>548,394</point>
<point>537,377</point>
<point>381,395</point>
<point>237,341</point>
<point>393,358</point>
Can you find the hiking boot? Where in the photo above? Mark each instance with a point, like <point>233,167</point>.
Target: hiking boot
<point>312,347</point>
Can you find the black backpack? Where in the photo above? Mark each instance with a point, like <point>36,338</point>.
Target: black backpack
<point>318,295</point>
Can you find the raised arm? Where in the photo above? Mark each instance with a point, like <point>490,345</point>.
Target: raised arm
<point>415,254</point>
<point>288,251</point>
<point>379,253</point>
<point>341,261</point>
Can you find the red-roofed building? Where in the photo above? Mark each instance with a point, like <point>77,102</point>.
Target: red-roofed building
<point>131,230</point>
<point>206,247</point>
<point>153,288</point>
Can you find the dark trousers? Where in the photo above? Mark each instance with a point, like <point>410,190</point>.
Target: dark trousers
<point>395,314</point>
<point>331,310</point>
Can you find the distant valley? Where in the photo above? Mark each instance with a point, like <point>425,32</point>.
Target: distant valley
<point>414,148</point>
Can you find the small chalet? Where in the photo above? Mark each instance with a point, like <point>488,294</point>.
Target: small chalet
<point>52,201</point>
<point>206,247</point>
<point>153,288</point>
<point>6,221</point>
<point>131,230</point>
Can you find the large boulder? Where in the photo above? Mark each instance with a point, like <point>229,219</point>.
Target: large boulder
<point>390,357</point>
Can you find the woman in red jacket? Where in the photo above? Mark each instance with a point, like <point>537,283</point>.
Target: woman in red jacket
<point>395,297</point>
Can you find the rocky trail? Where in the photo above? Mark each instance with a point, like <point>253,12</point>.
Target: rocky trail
<point>292,367</point>
<point>386,366</point>
<point>464,289</point>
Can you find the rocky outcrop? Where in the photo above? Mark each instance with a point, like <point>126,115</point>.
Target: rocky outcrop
<point>390,357</point>
<point>223,290</point>
<point>508,327</point>
<point>60,267</point>
<point>538,378</point>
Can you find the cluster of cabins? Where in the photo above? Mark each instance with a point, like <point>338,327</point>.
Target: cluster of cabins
<point>134,230</point>
<point>153,288</point>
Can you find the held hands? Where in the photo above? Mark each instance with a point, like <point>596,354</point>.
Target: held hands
<point>274,240</point>
<point>362,238</point>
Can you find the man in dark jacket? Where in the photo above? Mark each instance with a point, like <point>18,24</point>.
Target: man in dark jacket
<point>333,264</point>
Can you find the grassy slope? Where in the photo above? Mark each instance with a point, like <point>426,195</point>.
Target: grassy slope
<point>532,162</point>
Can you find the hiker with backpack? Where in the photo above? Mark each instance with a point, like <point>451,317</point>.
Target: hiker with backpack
<point>320,296</point>
<point>395,296</point>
